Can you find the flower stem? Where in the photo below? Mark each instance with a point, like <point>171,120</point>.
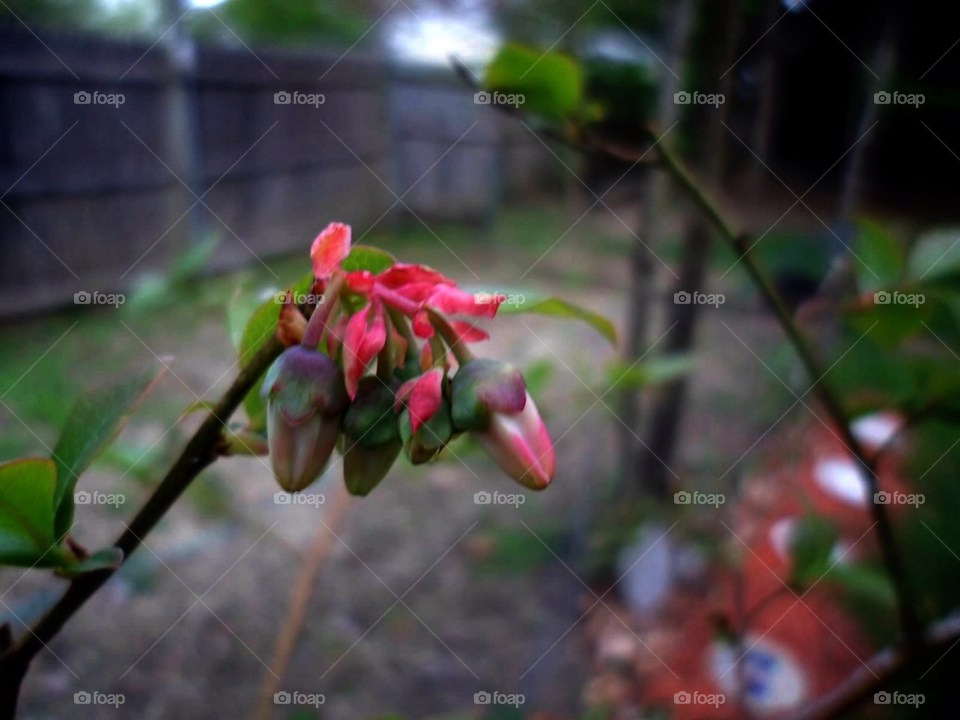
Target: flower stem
<point>400,323</point>
<point>456,345</point>
<point>322,315</point>
<point>386,359</point>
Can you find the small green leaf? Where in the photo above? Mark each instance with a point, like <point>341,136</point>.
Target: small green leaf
<point>879,251</point>
<point>106,559</point>
<point>865,583</point>
<point>561,308</point>
<point>26,512</point>
<point>96,420</point>
<point>256,332</point>
<point>811,544</point>
<point>364,257</point>
<point>651,372</point>
<point>551,83</point>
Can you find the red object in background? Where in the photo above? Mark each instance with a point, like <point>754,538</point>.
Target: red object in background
<point>799,643</point>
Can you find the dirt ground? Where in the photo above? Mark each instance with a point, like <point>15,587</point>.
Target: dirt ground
<point>483,605</point>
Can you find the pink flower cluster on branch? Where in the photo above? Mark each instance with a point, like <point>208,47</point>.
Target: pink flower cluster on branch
<point>380,367</point>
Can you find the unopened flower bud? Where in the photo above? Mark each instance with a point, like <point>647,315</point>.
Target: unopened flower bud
<point>490,399</point>
<point>431,436</point>
<point>371,436</point>
<point>306,398</point>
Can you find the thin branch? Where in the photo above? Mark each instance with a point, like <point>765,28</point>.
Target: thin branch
<point>909,621</point>
<point>884,668</point>
<point>199,452</point>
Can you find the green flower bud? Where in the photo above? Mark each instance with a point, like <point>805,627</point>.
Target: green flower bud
<point>431,437</point>
<point>482,387</point>
<point>306,398</point>
<point>370,435</point>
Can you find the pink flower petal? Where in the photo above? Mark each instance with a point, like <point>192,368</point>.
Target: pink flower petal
<point>422,327</point>
<point>452,300</point>
<point>401,274</point>
<point>359,281</point>
<point>329,248</point>
<point>365,336</point>
<point>468,332</point>
<point>422,396</point>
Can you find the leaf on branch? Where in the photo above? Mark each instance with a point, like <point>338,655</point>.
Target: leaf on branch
<point>365,257</point>
<point>561,308</point>
<point>95,422</point>
<point>812,540</point>
<point>27,513</point>
<point>551,83</point>
<point>650,372</point>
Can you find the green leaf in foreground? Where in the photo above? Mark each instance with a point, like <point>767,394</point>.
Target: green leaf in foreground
<point>96,420</point>
<point>26,512</point>
<point>106,559</point>
<point>561,308</point>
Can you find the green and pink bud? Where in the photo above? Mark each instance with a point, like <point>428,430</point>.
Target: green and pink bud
<point>490,399</point>
<point>371,436</point>
<point>306,399</point>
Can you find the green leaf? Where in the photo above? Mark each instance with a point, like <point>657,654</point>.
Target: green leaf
<point>880,252</point>
<point>106,559</point>
<point>96,420</point>
<point>935,256</point>
<point>26,512</point>
<point>651,372</point>
<point>811,544</point>
<point>256,332</point>
<point>563,309</point>
<point>865,582</point>
<point>364,257</point>
<point>551,83</point>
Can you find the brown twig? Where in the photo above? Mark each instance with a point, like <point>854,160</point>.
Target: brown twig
<point>286,640</point>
